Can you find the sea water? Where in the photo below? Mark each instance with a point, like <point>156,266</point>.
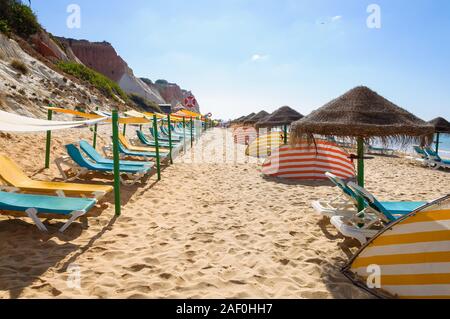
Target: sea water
<point>444,145</point>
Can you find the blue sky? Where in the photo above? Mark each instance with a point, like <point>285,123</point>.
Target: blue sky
<point>241,56</point>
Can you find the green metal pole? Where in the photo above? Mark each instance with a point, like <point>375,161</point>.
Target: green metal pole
<point>361,169</point>
<point>49,141</point>
<point>158,160</point>
<point>285,134</point>
<point>437,143</point>
<point>115,129</point>
<point>184,134</point>
<point>192,132</point>
<point>94,141</point>
<point>170,138</point>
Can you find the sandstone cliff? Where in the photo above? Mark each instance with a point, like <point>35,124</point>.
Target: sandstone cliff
<point>29,92</point>
<point>171,93</point>
<point>102,57</point>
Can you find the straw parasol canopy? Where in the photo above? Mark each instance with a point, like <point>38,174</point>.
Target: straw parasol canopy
<point>237,120</point>
<point>362,114</point>
<point>283,116</point>
<point>245,118</point>
<point>254,119</point>
<point>441,125</point>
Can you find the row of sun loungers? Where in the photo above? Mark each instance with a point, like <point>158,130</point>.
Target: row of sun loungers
<point>430,158</point>
<point>19,193</point>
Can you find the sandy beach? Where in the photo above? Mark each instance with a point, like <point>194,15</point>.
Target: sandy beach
<point>210,229</point>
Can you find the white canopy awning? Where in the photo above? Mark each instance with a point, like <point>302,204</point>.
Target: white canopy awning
<point>10,122</point>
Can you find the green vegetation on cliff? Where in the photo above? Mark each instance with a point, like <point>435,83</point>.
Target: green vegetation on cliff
<point>17,17</point>
<point>105,85</point>
<point>144,103</point>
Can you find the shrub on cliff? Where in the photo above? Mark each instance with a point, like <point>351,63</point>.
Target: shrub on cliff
<point>19,66</point>
<point>4,28</point>
<point>144,103</point>
<point>19,17</point>
<point>105,85</point>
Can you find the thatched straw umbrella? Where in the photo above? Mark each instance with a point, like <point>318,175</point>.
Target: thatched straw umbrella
<point>284,116</point>
<point>441,126</point>
<point>257,117</point>
<point>361,114</point>
<point>237,120</point>
<point>240,120</point>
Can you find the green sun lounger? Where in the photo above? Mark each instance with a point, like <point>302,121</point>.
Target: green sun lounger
<point>34,205</point>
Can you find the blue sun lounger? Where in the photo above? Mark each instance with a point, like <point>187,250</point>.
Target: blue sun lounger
<point>33,205</point>
<point>164,135</point>
<point>126,152</point>
<point>164,138</point>
<point>96,157</point>
<point>419,151</point>
<point>375,216</point>
<point>353,192</point>
<point>436,159</point>
<point>83,166</point>
<point>146,141</point>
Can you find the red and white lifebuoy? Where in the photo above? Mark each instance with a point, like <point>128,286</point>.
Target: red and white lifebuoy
<point>190,102</point>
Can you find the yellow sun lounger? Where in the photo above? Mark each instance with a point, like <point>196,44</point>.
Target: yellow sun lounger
<point>17,180</point>
<point>133,148</point>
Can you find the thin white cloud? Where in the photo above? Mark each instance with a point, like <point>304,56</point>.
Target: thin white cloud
<point>259,57</point>
<point>336,18</point>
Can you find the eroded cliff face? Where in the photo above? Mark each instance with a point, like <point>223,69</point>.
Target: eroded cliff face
<point>171,93</point>
<point>29,93</point>
<point>102,57</point>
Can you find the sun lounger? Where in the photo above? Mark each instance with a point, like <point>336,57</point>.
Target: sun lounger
<point>82,166</point>
<point>96,157</point>
<point>164,138</point>
<point>141,149</point>
<point>342,205</point>
<point>436,160</point>
<point>374,217</point>
<point>146,141</point>
<point>16,180</point>
<point>380,150</point>
<point>34,205</point>
<point>163,134</point>
<point>126,149</point>
<point>419,151</point>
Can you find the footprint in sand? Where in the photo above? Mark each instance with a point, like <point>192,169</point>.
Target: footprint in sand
<point>242,237</point>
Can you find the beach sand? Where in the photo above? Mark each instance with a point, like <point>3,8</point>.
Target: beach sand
<point>207,230</point>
